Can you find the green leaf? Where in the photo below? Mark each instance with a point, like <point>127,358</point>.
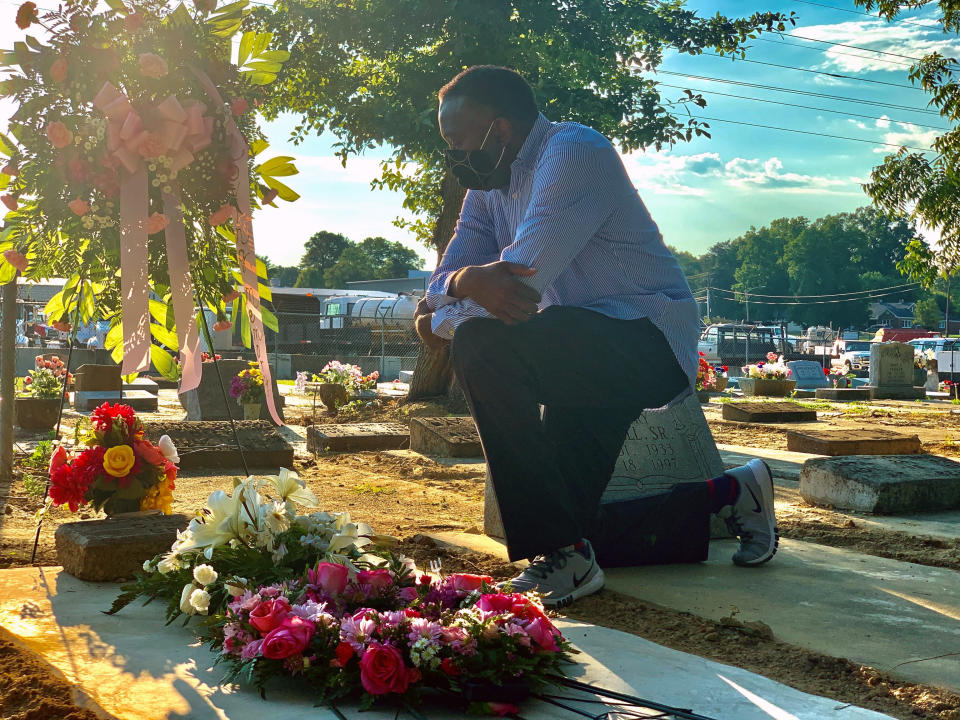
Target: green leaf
<point>163,361</point>
<point>33,42</point>
<point>246,46</point>
<point>179,17</point>
<point>280,162</point>
<point>244,324</point>
<point>270,320</point>
<point>54,306</point>
<point>264,66</point>
<point>88,304</point>
<point>7,272</point>
<point>256,147</point>
<point>278,56</point>
<point>258,77</point>
<point>283,192</point>
<point>160,312</point>
<point>263,40</point>
<point>119,7</point>
<point>164,336</point>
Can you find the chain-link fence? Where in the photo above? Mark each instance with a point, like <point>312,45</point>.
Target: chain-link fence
<point>308,341</point>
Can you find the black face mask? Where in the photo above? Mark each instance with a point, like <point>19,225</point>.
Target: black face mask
<point>477,169</point>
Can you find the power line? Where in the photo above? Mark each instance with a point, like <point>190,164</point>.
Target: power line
<point>809,132</point>
<point>806,107</point>
<point>860,12</point>
<point>836,52</point>
<point>817,302</point>
<point>821,295</point>
<point>840,76</point>
<point>794,91</point>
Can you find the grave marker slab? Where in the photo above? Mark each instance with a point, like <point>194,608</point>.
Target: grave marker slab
<point>808,374</point>
<point>843,394</point>
<point>767,412</point>
<point>445,436</point>
<point>206,401</point>
<point>210,443</point>
<point>115,548</point>
<point>97,377</point>
<point>891,372</point>
<point>883,484</point>
<point>143,383</point>
<point>139,400</point>
<point>357,436</point>
<point>852,442</point>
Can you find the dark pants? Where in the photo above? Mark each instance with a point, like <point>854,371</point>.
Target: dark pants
<point>594,375</point>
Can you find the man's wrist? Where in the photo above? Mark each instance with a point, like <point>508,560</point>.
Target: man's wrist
<point>459,283</point>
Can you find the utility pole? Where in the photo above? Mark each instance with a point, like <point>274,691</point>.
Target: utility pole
<point>8,371</point>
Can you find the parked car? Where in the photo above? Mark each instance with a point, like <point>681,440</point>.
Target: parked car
<point>852,355</point>
<point>737,344</point>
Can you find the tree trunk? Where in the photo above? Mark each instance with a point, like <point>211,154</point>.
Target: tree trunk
<point>8,371</point>
<point>433,374</point>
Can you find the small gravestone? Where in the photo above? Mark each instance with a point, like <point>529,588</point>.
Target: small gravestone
<point>767,412</point>
<point>357,436</point>
<point>139,400</point>
<point>205,402</point>
<point>97,378</point>
<point>445,436</point>
<point>406,376</point>
<point>843,394</point>
<point>852,442</point>
<point>933,376</point>
<point>211,443</point>
<point>883,484</point>
<point>142,383</point>
<point>891,372</point>
<point>115,548</point>
<point>663,447</point>
<point>808,374</point>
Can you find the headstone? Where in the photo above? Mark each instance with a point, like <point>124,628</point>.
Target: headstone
<point>663,447</point>
<point>357,436</point>
<point>843,394</point>
<point>884,484</point>
<point>115,548</point>
<point>808,374</point>
<point>139,400</point>
<point>211,444</point>
<point>852,442</point>
<point>142,383</point>
<point>767,412</point>
<point>406,376</point>
<point>804,394</point>
<point>891,372</point>
<point>97,378</point>
<point>206,401</point>
<point>933,376</point>
<point>445,436</point>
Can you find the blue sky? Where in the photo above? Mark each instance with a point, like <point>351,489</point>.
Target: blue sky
<point>709,189</point>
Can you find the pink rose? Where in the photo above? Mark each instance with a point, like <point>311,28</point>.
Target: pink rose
<point>238,106</point>
<point>408,594</point>
<point>79,207</point>
<point>222,215</point>
<point>465,583</point>
<point>18,260</point>
<point>222,325</point>
<point>329,577</point>
<point>58,135</point>
<point>290,638</point>
<point>156,222</point>
<point>374,579</point>
<point>543,633</point>
<point>269,614</point>
<point>58,459</point>
<point>251,650</point>
<point>133,22</point>
<point>231,296</point>
<point>58,70</point>
<point>382,670</point>
<point>153,66</point>
<point>10,201</point>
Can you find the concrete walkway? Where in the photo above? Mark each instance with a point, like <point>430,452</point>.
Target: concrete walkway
<point>132,667</point>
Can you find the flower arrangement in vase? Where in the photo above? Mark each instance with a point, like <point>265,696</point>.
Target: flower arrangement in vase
<point>247,388</point>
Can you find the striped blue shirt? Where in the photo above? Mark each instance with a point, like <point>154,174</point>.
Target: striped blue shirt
<point>572,213</point>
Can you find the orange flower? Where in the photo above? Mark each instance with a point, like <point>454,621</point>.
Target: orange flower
<point>79,207</point>
<point>231,296</point>
<point>58,135</point>
<point>58,71</point>
<point>153,66</point>
<point>10,201</point>
<point>156,222</point>
<point>18,260</point>
<point>222,215</point>
<point>222,325</point>
<point>61,326</point>
<point>26,15</point>
<point>239,106</point>
<point>10,169</point>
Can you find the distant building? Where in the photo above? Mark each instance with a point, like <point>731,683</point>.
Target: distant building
<point>415,282</point>
<point>891,315</point>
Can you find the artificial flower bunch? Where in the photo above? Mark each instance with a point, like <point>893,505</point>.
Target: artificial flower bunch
<point>838,377</point>
<point>247,385</point>
<point>350,376</point>
<point>383,632</point>
<point>117,466</point>
<point>41,383</point>
<point>773,369</point>
<point>706,375</point>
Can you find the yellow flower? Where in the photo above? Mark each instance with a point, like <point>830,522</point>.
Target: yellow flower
<point>158,497</point>
<point>118,460</point>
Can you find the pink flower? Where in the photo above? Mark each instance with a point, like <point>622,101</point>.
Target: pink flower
<point>18,260</point>
<point>269,614</point>
<point>58,135</point>
<point>408,594</point>
<point>374,579</point>
<point>269,196</point>
<point>156,222</point>
<point>382,671</point>
<point>251,650</point>
<point>502,709</point>
<point>61,325</point>
<point>153,66</point>
<point>290,638</point>
<point>343,652</point>
<point>222,325</point>
<point>57,459</point>
<point>150,453</point>
<point>329,577</point>
<point>543,633</point>
<point>10,169</point>
<point>238,106</point>
<point>10,201</point>
<point>58,70</point>
<point>151,145</point>
<point>465,583</point>
<point>133,22</point>
<point>231,296</point>
<point>222,215</point>
<point>79,207</point>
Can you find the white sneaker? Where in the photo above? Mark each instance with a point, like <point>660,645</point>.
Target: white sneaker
<point>751,516</point>
<point>561,576</point>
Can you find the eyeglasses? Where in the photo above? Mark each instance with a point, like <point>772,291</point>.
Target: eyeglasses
<point>479,162</point>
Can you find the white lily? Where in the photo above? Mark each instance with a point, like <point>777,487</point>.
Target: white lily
<point>168,449</point>
<point>291,488</point>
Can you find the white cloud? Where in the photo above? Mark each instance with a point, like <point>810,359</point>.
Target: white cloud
<point>858,123</point>
<point>908,134</point>
<point>898,39</point>
<point>754,173</point>
<point>883,122</point>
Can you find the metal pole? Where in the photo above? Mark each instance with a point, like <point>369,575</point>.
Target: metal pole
<point>383,343</point>
<point>8,371</point>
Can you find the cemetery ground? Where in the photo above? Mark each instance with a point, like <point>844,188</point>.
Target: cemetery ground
<point>411,496</point>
